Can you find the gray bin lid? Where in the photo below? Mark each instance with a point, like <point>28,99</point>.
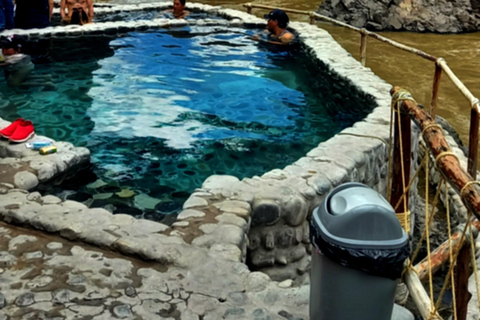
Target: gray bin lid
<point>356,216</point>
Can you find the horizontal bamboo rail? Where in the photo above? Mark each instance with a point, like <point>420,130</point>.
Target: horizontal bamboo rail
<point>442,254</point>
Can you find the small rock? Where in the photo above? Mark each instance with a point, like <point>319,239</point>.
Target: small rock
<point>54,245</point>
<point>6,259</point>
<point>261,314</point>
<point>61,296</point>
<point>35,196</point>
<point>25,299</point>
<point>181,224</point>
<point>49,199</point>
<point>130,292</point>
<point>233,313</point>
<point>33,255</point>
<point>257,281</point>
<point>39,282</point>
<point>286,284</point>
<point>122,311</point>
<point>208,227</point>
<point>2,300</point>
<point>185,214</point>
<point>25,180</point>
<point>75,279</point>
<point>195,202</point>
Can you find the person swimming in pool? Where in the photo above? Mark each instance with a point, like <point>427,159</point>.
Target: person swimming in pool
<point>18,67</point>
<point>276,32</point>
<point>76,11</point>
<point>178,10</point>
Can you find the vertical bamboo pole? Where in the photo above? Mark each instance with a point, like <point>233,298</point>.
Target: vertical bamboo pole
<point>312,18</point>
<point>473,140</point>
<point>397,179</point>
<point>249,8</point>
<point>462,273</point>
<point>436,86</point>
<point>363,47</point>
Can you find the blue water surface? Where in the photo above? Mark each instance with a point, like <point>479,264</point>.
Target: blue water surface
<point>161,111</point>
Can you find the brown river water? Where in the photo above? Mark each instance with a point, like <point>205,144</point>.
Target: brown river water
<point>404,69</point>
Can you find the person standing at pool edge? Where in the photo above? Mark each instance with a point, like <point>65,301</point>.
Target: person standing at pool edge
<point>33,13</point>
<point>277,32</point>
<point>6,14</point>
<point>80,7</point>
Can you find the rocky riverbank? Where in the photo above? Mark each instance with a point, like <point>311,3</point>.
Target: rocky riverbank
<point>441,16</point>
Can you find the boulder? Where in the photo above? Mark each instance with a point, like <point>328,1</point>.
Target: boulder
<point>442,16</point>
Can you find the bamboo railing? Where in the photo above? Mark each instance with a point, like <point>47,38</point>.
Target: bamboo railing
<point>464,184</point>
<point>440,65</point>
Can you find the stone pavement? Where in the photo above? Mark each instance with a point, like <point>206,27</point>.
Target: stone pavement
<point>43,276</point>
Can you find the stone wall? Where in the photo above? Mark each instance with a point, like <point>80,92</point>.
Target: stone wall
<point>442,16</point>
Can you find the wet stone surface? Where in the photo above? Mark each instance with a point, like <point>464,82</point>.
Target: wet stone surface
<point>48,277</point>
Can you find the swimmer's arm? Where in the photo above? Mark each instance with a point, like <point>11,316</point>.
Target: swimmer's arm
<point>163,13</point>
<point>261,36</point>
<point>62,9</point>
<point>287,38</point>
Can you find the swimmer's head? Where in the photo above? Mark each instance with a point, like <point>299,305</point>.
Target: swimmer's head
<point>178,5</point>
<point>11,45</point>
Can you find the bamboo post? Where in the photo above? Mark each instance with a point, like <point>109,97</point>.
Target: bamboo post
<point>363,47</point>
<point>462,273</point>
<point>312,18</point>
<point>402,134</point>
<point>419,296</point>
<point>436,86</point>
<point>249,7</point>
<point>473,140</point>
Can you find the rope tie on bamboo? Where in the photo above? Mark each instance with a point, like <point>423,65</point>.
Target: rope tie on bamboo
<point>399,96</point>
<point>432,125</point>
<point>468,184</point>
<point>404,218</point>
<point>439,60</point>
<point>474,102</point>
<point>443,154</point>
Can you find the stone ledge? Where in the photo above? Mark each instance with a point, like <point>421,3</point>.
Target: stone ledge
<point>26,169</point>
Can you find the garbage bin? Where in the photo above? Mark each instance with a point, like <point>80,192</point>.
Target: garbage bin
<point>360,248</point>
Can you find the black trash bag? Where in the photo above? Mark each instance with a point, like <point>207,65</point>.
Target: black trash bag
<point>385,262</point>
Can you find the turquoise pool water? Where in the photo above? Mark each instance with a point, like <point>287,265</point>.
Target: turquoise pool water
<point>161,111</point>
